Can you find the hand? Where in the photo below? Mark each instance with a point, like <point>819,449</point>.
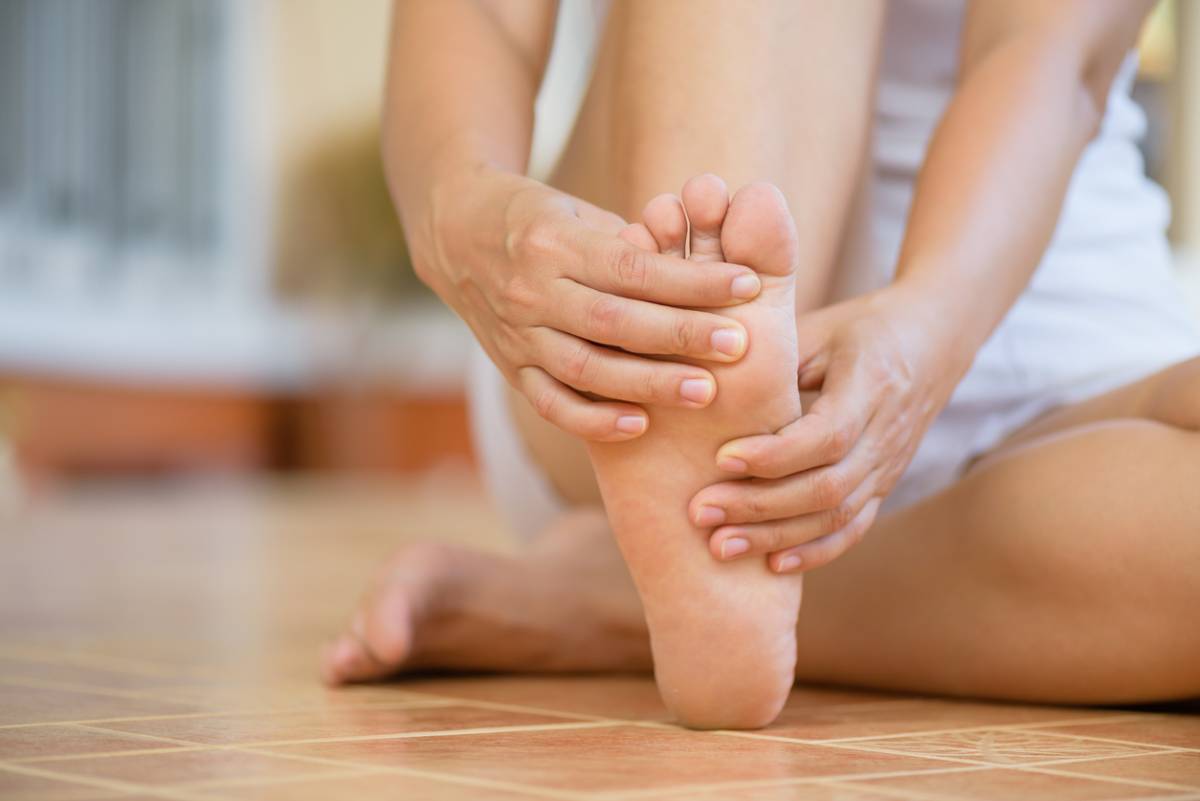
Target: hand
<point>563,307</point>
<point>884,371</point>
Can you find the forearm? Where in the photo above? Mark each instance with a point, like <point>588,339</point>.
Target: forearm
<point>989,195</point>
<point>462,79</point>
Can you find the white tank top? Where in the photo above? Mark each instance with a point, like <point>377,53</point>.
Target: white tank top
<point>1110,199</point>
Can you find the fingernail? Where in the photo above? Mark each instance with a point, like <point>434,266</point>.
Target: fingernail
<point>729,341</point>
<point>697,390</point>
<point>787,563</point>
<point>734,546</point>
<point>745,286</point>
<point>631,424</point>
<point>732,464</point>
<point>709,516</point>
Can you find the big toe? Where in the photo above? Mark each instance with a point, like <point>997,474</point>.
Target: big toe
<point>376,644</point>
<point>759,231</point>
<point>706,200</point>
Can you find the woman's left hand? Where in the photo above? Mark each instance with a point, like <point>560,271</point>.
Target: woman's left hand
<point>884,366</point>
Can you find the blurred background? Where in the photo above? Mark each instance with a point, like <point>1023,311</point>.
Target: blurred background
<point>200,269</point>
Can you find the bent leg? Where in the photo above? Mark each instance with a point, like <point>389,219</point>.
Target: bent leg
<point>1066,568</point>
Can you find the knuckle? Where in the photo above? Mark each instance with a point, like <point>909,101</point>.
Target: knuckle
<point>518,294</point>
<point>838,441</point>
<point>773,538</point>
<point>839,517</point>
<point>632,268</point>
<point>829,490</point>
<point>683,334</point>
<point>545,402</point>
<point>578,366</point>
<point>533,241</point>
<point>652,387</point>
<point>605,316</point>
<point>753,508</point>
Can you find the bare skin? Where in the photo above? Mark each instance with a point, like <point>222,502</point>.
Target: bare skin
<point>1045,542</point>
<point>691,601</point>
<point>1076,560</point>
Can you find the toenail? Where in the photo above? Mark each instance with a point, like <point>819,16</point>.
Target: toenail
<point>732,464</point>
<point>734,546</point>
<point>697,390</point>
<point>745,286</point>
<point>729,341</point>
<point>710,516</point>
<point>787,563</point>
<point>631,424</point>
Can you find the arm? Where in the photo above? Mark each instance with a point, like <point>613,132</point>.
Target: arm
<point>540,276</point>
<point>1033,84</point>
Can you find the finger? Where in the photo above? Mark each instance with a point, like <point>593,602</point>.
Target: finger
<point>597,421</point>
<point>611,265</point>
<point>639,235</point>
<point>731,541</point>
<point>824,436</point>
<point>823,489</point>
<point>587,367</point>
<point>824,550</point>
<point>641,327</point>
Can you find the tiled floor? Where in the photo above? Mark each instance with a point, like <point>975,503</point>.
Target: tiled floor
<point>160,642</point>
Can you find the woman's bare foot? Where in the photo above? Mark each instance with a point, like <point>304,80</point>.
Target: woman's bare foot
<point>722,634</point>
<point>565,605</point>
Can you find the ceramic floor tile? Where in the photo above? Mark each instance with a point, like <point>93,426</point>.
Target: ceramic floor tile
<point>802,791</point>
<point>19,787</point>
<point>237,586</point>
<point>376,787</point>
<point>1002,746</point>
<point>1179,731</point>
<point>356,721</point>
<point>624,697</point>
<point>89,676</point>
<point>1181,768</point>
<point>1002,784</point>
<point>31,742</point>
<point>822,721</point>
<point>21,703</point>
<point>280,695</point>
<point>186,767</point>
<point>614,758</point>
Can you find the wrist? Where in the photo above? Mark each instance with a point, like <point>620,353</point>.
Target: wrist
<point>939,318</point>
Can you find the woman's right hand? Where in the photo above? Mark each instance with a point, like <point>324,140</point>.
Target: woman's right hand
<point>564,307</point>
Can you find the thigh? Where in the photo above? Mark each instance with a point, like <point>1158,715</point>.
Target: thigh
<point>1064,568</point>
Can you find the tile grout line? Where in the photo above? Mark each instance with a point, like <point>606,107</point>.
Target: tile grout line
<point>750,784</point>
<point>926,732</point>
<point>188,746</point>
<point>449,778</point>
<point>416,703</point>
<point>1119,742</point>
<point>39,654</point>
<point>1052,770</point>
<point>115,785</point>
<point>507,707</point>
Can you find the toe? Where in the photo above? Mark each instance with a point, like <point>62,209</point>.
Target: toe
<point>706,200</point>
<point>665,220</point>
<point>759,231</point>
<point>346,661</point>
<point>377,643</point>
